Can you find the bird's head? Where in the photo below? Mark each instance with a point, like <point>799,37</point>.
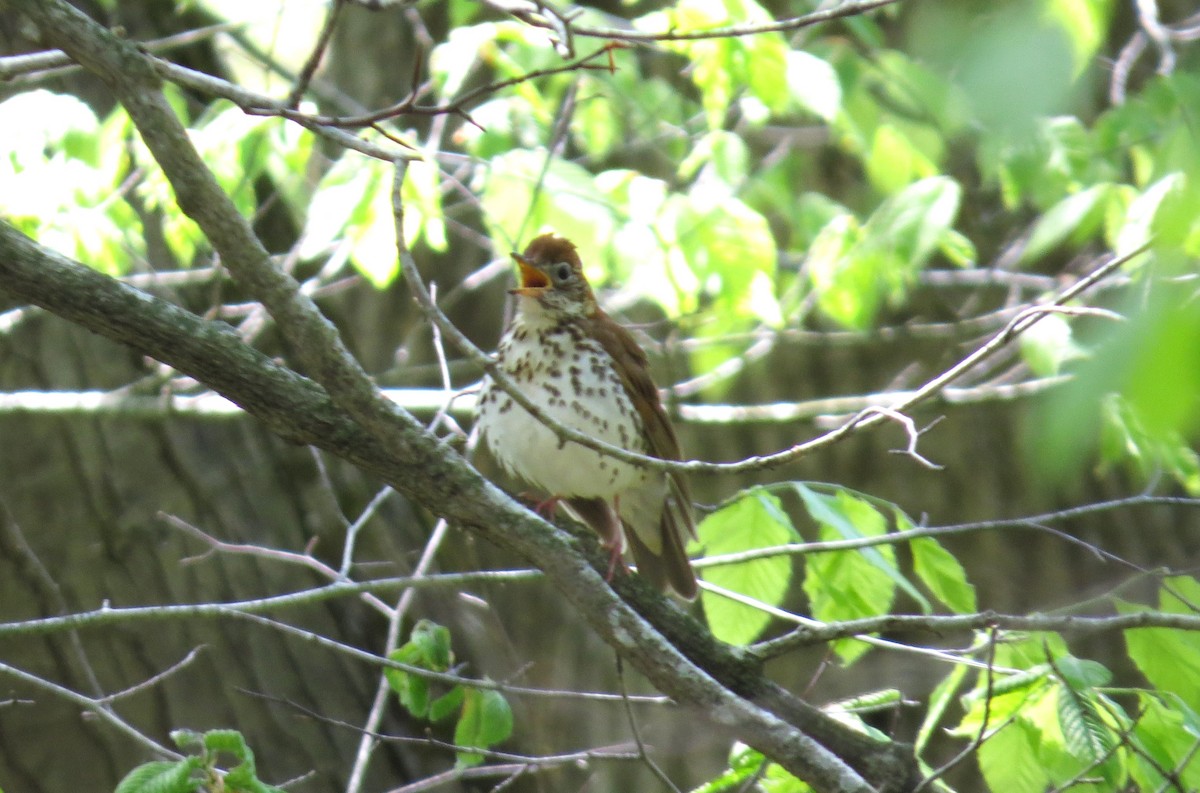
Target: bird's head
<point>552,278</point>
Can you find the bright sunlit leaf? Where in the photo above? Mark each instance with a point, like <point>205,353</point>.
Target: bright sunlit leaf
<point>755,520</point>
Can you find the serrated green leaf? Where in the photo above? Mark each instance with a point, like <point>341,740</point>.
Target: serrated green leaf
<point>1013,688</point>
<point>941,572</point>
<point>755,520</point>
<point>229,741</point>
<point>486,720</point>
<point>162,776</point>
<point>851,518</point>
<point>1086,735</point>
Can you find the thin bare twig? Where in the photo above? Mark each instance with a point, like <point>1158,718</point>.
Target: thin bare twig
<point>95,706</point>
<point>155,679</point>
<point>643,754</point>
<point>314,57</point>
<point>409,107</point>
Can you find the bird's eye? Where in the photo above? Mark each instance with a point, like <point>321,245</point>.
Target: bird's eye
<point>562,271</point>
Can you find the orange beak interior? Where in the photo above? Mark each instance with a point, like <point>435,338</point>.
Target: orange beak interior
<point>531,277</point>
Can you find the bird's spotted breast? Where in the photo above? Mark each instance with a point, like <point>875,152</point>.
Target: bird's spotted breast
<point>571,378</point>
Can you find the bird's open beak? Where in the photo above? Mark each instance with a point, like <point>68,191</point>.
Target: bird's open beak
<point>533,280</point>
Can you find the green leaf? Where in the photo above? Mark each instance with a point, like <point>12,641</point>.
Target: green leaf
<point>354,203</point>
<point>744,764</point>
<point>724,153</point>
<point>1009,760</point>
<point>446,705</point>
<point>727,245</point>
<point>1169,659</point>
<point>940,700</point>
<point>1086,735</point>
<point>523,193</point>
<point>813,83</point>
<point>720,66</point>
<point>432,641</point>
<point>1139,218</point>
<point>913,222</point>
<point>893,162</point>
<point>1085,22</point>
<point>486,720</point>
<point>1014,62</point>
<point>162,776</point>
<point>231,742</point>
<point>855,270</point>
<point>1077,216</point>
<point>958,249</point>
<point>848,517</point>
<point>754,520</point>
<point>1166,733</point>
<point>1010,694</point>
<point>428,647</point>
<point>941,572</point>
<point>1136,394</point>
<point>423,205</point>
<point>1082,673</point>
<point>845,585</point>
<point>1048,344</point>
<point>843,279</point>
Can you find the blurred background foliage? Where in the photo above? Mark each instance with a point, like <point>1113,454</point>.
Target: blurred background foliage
<point>839,209</point>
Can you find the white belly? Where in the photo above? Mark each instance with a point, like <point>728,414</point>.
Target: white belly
<point>578,392</point>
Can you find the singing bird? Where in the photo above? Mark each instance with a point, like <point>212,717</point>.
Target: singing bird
<point>583,369</point>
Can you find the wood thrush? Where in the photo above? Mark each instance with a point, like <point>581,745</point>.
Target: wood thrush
<point>586,371</point>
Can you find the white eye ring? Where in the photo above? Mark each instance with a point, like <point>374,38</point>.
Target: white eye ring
<point>562,271</point>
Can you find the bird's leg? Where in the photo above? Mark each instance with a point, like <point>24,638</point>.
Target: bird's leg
<point>546,507</point>
<point>614,541</point>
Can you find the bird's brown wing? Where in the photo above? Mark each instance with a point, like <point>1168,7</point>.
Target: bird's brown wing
<point>635,376</point>
<point>659,549</point>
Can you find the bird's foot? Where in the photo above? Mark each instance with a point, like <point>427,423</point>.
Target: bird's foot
<point>616,561</point>
<point>546,507</point>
